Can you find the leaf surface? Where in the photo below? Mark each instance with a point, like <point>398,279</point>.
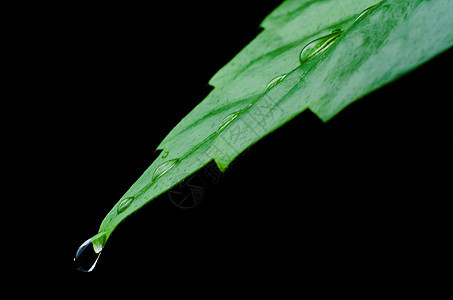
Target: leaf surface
<point>371,47</point>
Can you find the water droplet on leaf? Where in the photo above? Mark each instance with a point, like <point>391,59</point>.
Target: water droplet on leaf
<point>125,203</point>
<point>226,121</point>
<point>87,257</point>
<point>365,12</point>
<point>274,82</point>
<point>319,45</point>
<point>165,154</point>
<point>164,168</point>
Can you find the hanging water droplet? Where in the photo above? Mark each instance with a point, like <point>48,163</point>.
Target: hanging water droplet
<point>274,82</point>
<point>125,203</point>
<point>87,257</point>
<point>164,168</point>
<point>319,45</point>
<point>365,12</point>
<point>226,121</point>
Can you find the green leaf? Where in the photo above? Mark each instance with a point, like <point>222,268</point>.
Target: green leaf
<point>349,48</point>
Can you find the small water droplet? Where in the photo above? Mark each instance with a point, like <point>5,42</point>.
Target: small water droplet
<point>191,149</point>
<point>319,45</point>
<point>164,168</point>
<point>274,82</point>
<point>124,204</point>
<point>165,154</point>
<point>365,12</point>
<point>250,105</point>
<point>87,257</point>
<point>226,121</point>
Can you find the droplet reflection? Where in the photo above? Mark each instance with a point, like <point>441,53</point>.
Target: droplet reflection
<point>124,204</point>
<point>318,46</point>
<point>164,168</point>
<point>226,121</point>
<point>365,12</point>
<point>274,82</point>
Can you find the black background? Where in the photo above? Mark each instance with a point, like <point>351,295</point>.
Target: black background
<point>362,194</point>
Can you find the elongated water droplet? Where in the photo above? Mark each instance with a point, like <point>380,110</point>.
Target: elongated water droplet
<point>274,82</point>
<point>365,12</point>
<point>87,257</point>
<point>164,168</point>
<point>165,154</point>
<point>319,45</point>
<point>226,121</point>
<point>125,203</point>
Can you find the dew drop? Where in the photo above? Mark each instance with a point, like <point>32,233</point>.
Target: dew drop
<point>164,168</point>
<point>365,12</point>
<point>124,204</point>
<point>165,154</point>
<point>274,82</point>
<point>87,257</point>
<point>319,45</point>
<point>226,121</point>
